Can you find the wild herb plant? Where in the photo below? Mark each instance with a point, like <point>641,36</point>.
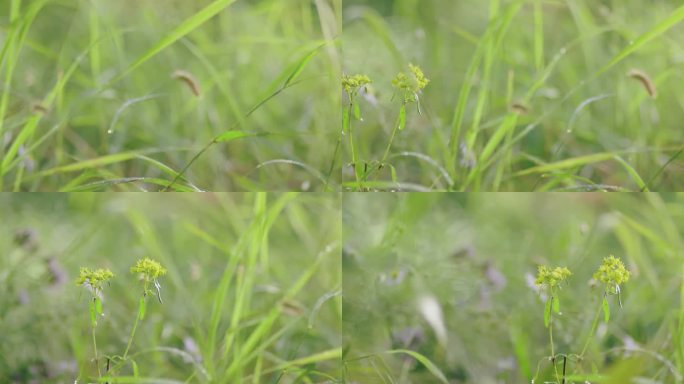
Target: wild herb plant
<point>94,281</point>
<point>610,274</point>
<point>409,85</point>
<point>148,271</point>
<point>352,85</point>
<point>529,98</point>
<point>136,125</point>
<point>549,281</point>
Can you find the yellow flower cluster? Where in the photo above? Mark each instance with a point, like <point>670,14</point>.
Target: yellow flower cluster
<point>148,268</point>
<point>551,277</point>
<point>352,83</point>
<point>414,82</point>
<point>612,271</point>
<point>94,278</point>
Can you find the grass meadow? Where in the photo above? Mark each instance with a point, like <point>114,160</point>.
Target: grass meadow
<point>440,288</point>
<point>251,292</point>
<point>222,95</point>
<point>524,95</point>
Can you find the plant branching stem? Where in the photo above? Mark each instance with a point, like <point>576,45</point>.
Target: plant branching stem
<point>351,142</point>
<point>97,361</point>
<point>213,141</point>
<point>130,340</point>
<point>553,351</point>
<point>391,140</point>
<point>594,324</point>
<point>182,172</point>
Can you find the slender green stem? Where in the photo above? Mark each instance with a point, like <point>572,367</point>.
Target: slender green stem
<point>351,142</point>
<point>192,161</point>
<point>553,352</point>
<point>213,141</point>
<point>97,361</point>
<point>594,324</point>
<point>130,340</point>
<point>391,140</point>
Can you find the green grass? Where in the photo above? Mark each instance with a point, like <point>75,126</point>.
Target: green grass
<point>526,95</point>
<point>474,257</point>
<point>89,101</point>
<point>252,293</point>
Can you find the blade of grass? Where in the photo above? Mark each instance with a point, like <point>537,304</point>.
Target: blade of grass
<point>538,35</point>
<point>31,125</point>
<point>567,163</point>
<point>99,185</point>
<point>423,360</point>
<point>184,28</point>
<point>633,173</point>
<point>90,163</point>
<point>295,70</point>
<point>663,26</point>
<point>269,321</point>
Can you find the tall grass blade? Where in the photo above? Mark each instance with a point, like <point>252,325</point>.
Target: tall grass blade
<point>184,28</point>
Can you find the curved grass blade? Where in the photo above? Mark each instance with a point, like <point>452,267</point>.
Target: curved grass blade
<point>321,300</point>
<point>127,104</point>
<point>101,184</point>
<point>184,28</point>
<point>567,163</point>
<point>643,187</point>
<point>90,163</point>
<point>307,167</point>
<point>663,26</point>
<point>299,66</point>
<point>429,160</point>
<point>423,360</point>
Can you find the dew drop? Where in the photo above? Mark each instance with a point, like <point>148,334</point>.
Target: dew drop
<point>562,51</point>
<point>109,131</point>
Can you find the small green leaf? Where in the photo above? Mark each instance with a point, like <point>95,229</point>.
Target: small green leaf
<point>232,135</point>
<point>556,304</point>
<point>98,305</point>
<point>136,371</point>
<point>402,117</point>
<point>393,172</point>
<point>141,308</point>
<point>357,112</point>
<point>93,313</point>
<point>547,312</point>
<point>606,309</point>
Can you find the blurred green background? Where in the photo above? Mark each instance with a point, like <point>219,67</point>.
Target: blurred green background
<point>475,256</point>
<point>44,320</point>
<point>237,58</point>
<point>543,55</point>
